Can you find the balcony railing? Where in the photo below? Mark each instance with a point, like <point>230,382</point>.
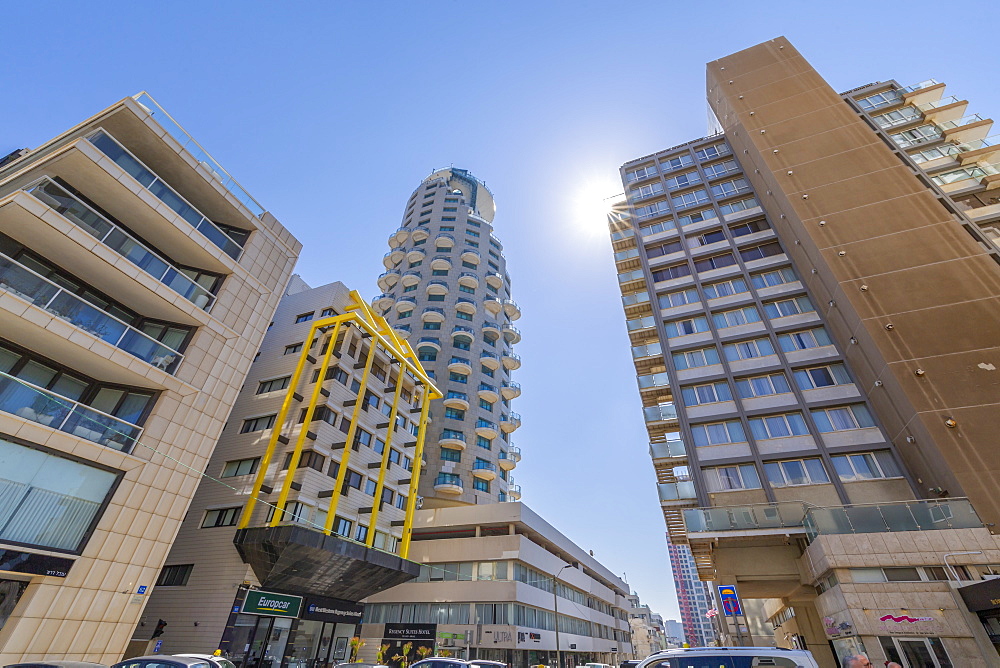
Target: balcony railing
<point>667,450</point>
<point>514,385</point>
<point>21,398</point>
<point>40,291</point>
<point>977,172</point>
<point>653,380</point>
<point>781,515</point>
<point>484,466</point>
<point>676,491</point>
<point>120,241</point>
<point>462,328</point>
<point>944,102</point>
<point>448,479</point>
<point>635,298</point>
<point>650,350</point>
<point>486,387</point>
<point>188,143</point>
<point>487,353</point>
<point>457,395</point>
<point>659,413</point>
<point>922,515</point>
<point>967,120</point>
<point>922,84</point>
<point>121,156</point>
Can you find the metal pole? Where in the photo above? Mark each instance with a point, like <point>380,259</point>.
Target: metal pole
<point>555,607</point>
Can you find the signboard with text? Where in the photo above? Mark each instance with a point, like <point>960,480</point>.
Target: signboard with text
<point>730,600</point>
<point>272,604</point>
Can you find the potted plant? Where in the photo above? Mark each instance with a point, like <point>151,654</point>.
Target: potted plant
<point>404,658</point>
<point>356,644</point>
<point>380,655</point>
<point>424,651</point>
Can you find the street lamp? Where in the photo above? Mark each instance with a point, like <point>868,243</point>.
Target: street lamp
<point>555,607</point>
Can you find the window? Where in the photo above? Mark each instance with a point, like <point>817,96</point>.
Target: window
<point>458,377</point>
<point>647,190</point>
<point>882,99</point>
<point>718,433</point>
<point>844,418</point>
<point>705,239</point>
<point>240,467</point>
<point>454,413</point>
<point>725,478</point>
<point>223,517</point>
<point>918,135</point>
<point>447,228</point>
<point>778,426</point>
<point>466,288</point>
<point>676,162</point>
<point>653,209</point>
<point>432,325</point>
<point>643,172</point>
<point>439,272</point>
<point>481,485</point>
<point>484,442</point>
<point>696,358</point>
<point>770,279</point>
<point>361,437</point>
<point>462,343</point>
<point>485,405</point>
<point>899,116</point>
<point>804,340</point>
<point>683,180</point>
<point>709,393</point>
<point>273,385</point>
<point>665,248</point>
<point>865,466</point>
<point>258,423</point>
<point>787,307</point>
<point>736,317</point>
<point>821,376</point>
<point>410,288</point>
<point>292,349</point>
<point>697,217</point>
<point>667,273</point>
<point>680,298</point>
<point>415,264</point>
<point>738,205</point>
<point>304,317</point>
<point>407,314</point>
<point>714,262</point>
<point>462,315</point>
<point>730,188</point>
<point>452,433</point>
<point>435,298</point>
<point>712,152</point>
<point>689,199</point>
<point>762,386</point>
<point>796,472</point>
<point>174,576</point>
<point>688,326</point>
<point>760,252</point>
<point>426,354</point>
<point>726,288</point>
<point>720,169</point>
<point>342,527</point>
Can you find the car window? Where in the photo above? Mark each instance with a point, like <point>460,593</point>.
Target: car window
<point>695,661</point>
<point>225,663</point>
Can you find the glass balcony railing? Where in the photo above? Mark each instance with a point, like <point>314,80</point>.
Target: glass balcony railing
<point>919,86</point>
<point>943,151</point>
<point>431,339</point>
<point>967,120</point>
<point>459,360</point>
<point>121,156</point>
<point>667,450</point>
<point>40,291</point>
<point>634,275</point>
<point>120,241</point>
<point>23,399</point>
<point>486,387</point>
<point>515,490</point>
<point>457,395</point>
<point>924,515</point>
<point>484,466</point>
<point>635,298</point>
<point>649,350</point>
<point>944,102</point>
<point>640,323</point>
<point>975,145</point>
<point>462,329</point>
<point>977,172</point>
<point>514,385</point>
<point>188,143</point>
<point>448,479</point>
<point>491,325</point>
<point>781,515</point>
<point>653,380</point>
<point>676,491</point>
<point>487,353</point>
<point>660,413</point>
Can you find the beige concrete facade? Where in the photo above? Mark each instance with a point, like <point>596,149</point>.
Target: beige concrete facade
<point>133,230</point>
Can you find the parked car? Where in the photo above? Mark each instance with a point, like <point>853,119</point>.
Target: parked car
<point>730,657</point>
<point>56,664</point>
<point>165,661</point>
<point>630,663</point>
<point>217,661</point>
<point>449,662</point>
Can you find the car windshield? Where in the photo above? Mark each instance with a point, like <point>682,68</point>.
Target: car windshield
<point>225,663</point>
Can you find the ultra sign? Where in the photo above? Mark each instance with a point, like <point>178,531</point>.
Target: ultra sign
<point>269,603</point>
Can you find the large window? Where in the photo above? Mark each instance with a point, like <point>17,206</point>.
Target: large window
<point>49,501</point>
<point>174,576</point>
<point>842,418</point>
<point>865,466</point>
<point>740,316</point>
<point>725,478</point>
<point>769,279</point>
<point>696,358</point>
<point>676,162</point>
<point>745,350</point>
<point>718,433</point>
<point>693,198</point>
<point>273,385</point>
<point>778,426</point>
<point>821,376</point>
<point>683,180</point>
<point>762,386</point>
<point>685,327</point>
<point>796,472</point>
<point>679,298</point>
<point>258,423</point>
<point>221,517</point>
<point>810,338</point>
<point>726,288</point>
<point>787,307</point>
<point>710,393</point>
<point>714,262</point>
<point>240,467</point>
<point>668,273</point>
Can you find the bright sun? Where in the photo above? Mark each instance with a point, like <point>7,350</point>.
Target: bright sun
<point>591,204</point>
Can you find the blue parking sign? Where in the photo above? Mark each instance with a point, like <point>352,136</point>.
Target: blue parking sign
<point>730,600</point>
<point>157,646</point>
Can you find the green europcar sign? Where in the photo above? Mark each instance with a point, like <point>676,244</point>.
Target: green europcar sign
<point>269,603</point>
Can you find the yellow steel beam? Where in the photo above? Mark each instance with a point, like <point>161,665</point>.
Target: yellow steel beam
<point>411,501</point>
<point>377,506</point>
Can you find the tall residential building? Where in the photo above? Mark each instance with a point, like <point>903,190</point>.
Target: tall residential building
<point>136,281</point>
<point>307,497</point>
<point>693,597</point>
<point>812,298</point>
<point>498,582</point>
<point>447,289</point>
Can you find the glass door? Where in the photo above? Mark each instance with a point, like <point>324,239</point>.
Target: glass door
<point>922,653</point>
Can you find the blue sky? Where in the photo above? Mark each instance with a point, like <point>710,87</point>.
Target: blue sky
<point>330,114</point>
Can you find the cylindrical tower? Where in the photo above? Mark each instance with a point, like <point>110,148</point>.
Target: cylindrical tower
<point>447,290</point>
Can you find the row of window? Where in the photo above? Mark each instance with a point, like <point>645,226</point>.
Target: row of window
<point>753,348</point>
<point>718,261</point>
<point>827,420</point>
<point>741,316</point>
<point>807,471</point>
<point>727,288</point>
<point>677,162</point>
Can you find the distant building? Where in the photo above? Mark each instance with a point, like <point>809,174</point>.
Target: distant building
<point>693,597</point>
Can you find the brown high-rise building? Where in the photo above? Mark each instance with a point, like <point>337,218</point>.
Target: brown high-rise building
<point>812,301</point>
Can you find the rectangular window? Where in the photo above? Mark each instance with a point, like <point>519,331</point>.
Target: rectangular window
<point>258,423</point>
<point>273,385</point>
<point>712,152</point>
<point>174,576</point>
<point>643,172</point>
<point>736,317</point>
<point>769,279</point>
<point>458,377</point>
<point>240,467</point>
<point>462,315</point>
<point>292,349</point>
<point>710,393</point>
<point>342,527</point>
<point>796,472</point>
<point>485,405</point>
<point>698,217</point>
<point>821,376</point>
<point>730,188</point>
<point>706,239</point>
<point>677,162</point>
<point>714,262</point>
<point>680,298</point>
<point>718,433</point>
<point>718,169</point>
<point>725,478</point>
<point>685,327</point>
<point>484,442</point>
<point>467,289</point>
<point>435,298</point>
<point>683,180</point>
<point>787,307</point>
<point>668,273</point>
<point>645,191</point>
<point>304,317</point>
<point>762,386</point>
<point>665,248</point>
<point>439,272</point>
<point>760,252</point>
<point>738,205</point>
<point>843,418</point>
<point>729,288</point>
<point>882,99</point>
<point>410,288</point>
<point>696,358</point>
<point>744,350</point>
<point>361,437</point>
<point>689,199</point>
<point>778,426</point>
<point>451,455</point>
<point>804,340</point>
<point>651,210</point>
<point>481,485</point>
<point>223,517</point>
<point>447,228</point>
<point>454,413</point>
<point>865,466</point>
<point>432,325</point>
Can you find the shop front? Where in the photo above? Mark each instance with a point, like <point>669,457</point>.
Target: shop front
<point>983,600</point>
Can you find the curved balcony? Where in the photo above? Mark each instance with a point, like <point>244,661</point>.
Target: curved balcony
<point>432,314</point>
<point>488,392</point>
<point>456,400</point>
<point>508,460</point>
<point>444,240</point>
<point>441,262</point>
<point>511,390</point>
<point>399,237</point>
<point>489,360</point>
<point>484,470</point>
<point>460,365</point>
<point>471,255</point>
<point>462,329</point>
<point>393,257</point>
<point>387,279</point>
<point>495,279</point>
<point>466,305</point>
<point>511,308</point>
<point>405,304</point>
<point>452,439</point>
<point>383,301</point>
<point>438,288</point>
<point>486,429</point>
<point>492,305</point>
<point>22,282</point>
<point>510,422</point>
<point>514,491</point>
<point>490,327</point>
<point>419,234</point>
<point>402,331</point>
<point>411,277</point>
<point>511,334</point>
<point>415,255</point>
<point>449,483</point>
<point>429,342</point>
<point>468,279</point>
<point>511,360</point>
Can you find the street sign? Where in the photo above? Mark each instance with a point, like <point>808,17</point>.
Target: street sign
<point>157,646</point>
<point>730,601</point>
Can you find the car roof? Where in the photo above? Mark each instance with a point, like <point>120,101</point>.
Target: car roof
<point>55,664</point>
<point>161,658</point>
<point>739,651</point>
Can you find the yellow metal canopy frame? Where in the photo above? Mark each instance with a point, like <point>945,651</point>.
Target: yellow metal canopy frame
<point>381,335</point>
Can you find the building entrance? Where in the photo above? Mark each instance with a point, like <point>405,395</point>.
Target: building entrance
<point>259,642</point>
